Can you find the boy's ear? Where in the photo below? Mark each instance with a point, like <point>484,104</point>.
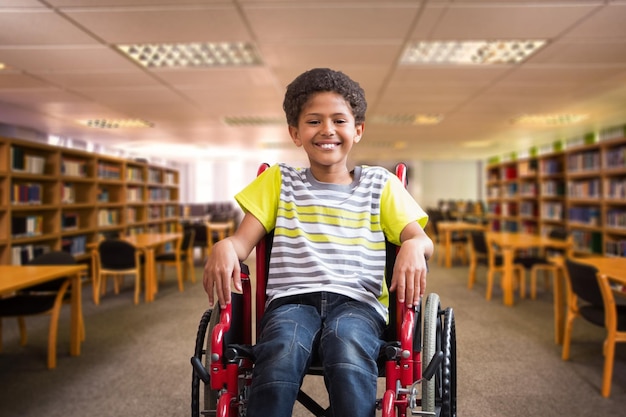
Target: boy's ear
<point>295,135</point>
<point>360,128</point>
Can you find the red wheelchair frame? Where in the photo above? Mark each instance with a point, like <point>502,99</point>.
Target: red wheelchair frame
<point>225,364</point>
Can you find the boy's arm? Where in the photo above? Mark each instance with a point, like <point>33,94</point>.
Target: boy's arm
<point>409,272</point>
<point>222,264</point>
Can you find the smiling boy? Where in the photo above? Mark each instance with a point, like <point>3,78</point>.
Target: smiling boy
<point>326,294</point>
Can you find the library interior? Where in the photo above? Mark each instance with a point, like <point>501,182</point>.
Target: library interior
<point>137,121</point>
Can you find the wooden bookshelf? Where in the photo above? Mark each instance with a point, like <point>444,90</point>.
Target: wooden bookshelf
<point>580,186</point>
<point>63,199</point>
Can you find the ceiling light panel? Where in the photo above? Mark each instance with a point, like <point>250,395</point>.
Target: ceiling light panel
<point>116,123</point>
<point>559,119</point>
<point>470,52</point>
<point>408,119</point>
<point>193,55</point>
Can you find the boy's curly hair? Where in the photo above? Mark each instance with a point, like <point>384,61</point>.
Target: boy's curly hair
<point>319,80</point>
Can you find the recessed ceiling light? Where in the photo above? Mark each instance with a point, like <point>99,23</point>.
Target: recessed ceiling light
<point>556,119</point>
<point>2,66</point>
<point>470,52</point>
<point>192,55</point>
<point>116,123</point>
<point>408,119</point>
<point>254,121</point>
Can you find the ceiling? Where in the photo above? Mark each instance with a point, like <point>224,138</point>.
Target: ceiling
<point>63,66</point>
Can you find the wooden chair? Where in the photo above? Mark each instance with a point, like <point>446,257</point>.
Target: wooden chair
<point>116,258</point>
<point>45,298</point>
<point>181,257</point>
<point>482,253</point>
<point>591,295</point>
<point>544,262</point>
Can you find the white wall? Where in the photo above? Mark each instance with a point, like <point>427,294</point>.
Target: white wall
<point>450,180</point>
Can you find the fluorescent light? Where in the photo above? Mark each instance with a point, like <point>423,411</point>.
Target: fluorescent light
<point>470,52</point>
<point>116,123</point>
<point>408,119</point>
<point>254,121</point>
<point>556,119</point>
<point>192,55</point>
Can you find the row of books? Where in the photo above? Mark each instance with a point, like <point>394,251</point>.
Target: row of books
<point>26,193</point>
<point>28,163</point>
<point>76,245</point>
<point>25,226</point>
<point>134,174</point>
<point>73,168</point>
<point>615,248</point>
<point>23,254</point>
<point>584,189</point>
<point>108,217</point>
<point>583,161</point>
<point>585,241</point>
<point>589,216</point>
<point>616,218</point>
<point>615,188</point>
<point>108,171</point>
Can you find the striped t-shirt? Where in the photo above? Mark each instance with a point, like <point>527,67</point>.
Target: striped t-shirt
<point>330,237</point>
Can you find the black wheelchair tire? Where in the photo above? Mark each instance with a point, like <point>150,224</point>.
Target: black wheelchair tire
<point>207,323</point>
<point>448,397</point>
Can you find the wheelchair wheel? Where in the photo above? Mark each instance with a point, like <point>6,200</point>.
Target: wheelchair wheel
<point>439,394</point>
<point>432,345</point>
<point>448,400</point>
<point>209,397</point>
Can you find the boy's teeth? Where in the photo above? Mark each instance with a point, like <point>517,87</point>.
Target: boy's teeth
<point>327,145</point>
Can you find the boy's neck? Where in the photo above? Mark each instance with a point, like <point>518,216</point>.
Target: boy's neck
<point>339,176</point>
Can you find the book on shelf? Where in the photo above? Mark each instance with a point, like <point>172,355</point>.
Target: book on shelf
<point>23,254</point>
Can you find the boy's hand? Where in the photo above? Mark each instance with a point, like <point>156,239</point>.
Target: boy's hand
<point>409,272</point>
<point>221,266</point>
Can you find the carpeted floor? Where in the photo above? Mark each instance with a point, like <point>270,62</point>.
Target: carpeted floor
<point>135,360</point>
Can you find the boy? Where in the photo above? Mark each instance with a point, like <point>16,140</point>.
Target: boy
<point>326,295</point>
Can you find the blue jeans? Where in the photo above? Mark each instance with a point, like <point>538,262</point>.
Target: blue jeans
<point>344,335</point>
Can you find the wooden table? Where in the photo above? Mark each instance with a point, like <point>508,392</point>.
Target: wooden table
<point>148,242</point>
<point>449,227</point>
<point>509,243</point>
<point>223,229</point>
<point>14,278</point>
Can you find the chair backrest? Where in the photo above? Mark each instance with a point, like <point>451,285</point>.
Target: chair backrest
<point>478,240</point>
<point>51,258</point>
<point>583,282</point>
<point>558,233</point>
<point>188,238</point>
<point>117,254</point>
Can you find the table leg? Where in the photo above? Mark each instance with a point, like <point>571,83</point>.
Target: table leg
<point>507,278</point>
<point>448,248</point>
<point>559,300</point>
<point>76,313</point>
<point>150,275</point>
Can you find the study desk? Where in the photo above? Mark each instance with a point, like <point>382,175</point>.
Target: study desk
<point>14,278</point>
<point>223,229</point>
<point>509,243</point>
<point>448,228</point>
<point>148,242</point>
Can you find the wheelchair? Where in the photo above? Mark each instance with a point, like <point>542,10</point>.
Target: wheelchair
<point>416,338</point>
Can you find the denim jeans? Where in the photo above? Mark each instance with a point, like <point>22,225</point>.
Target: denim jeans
<point>343,334</point>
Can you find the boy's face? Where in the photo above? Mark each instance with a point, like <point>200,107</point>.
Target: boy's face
<point>327,131</point>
